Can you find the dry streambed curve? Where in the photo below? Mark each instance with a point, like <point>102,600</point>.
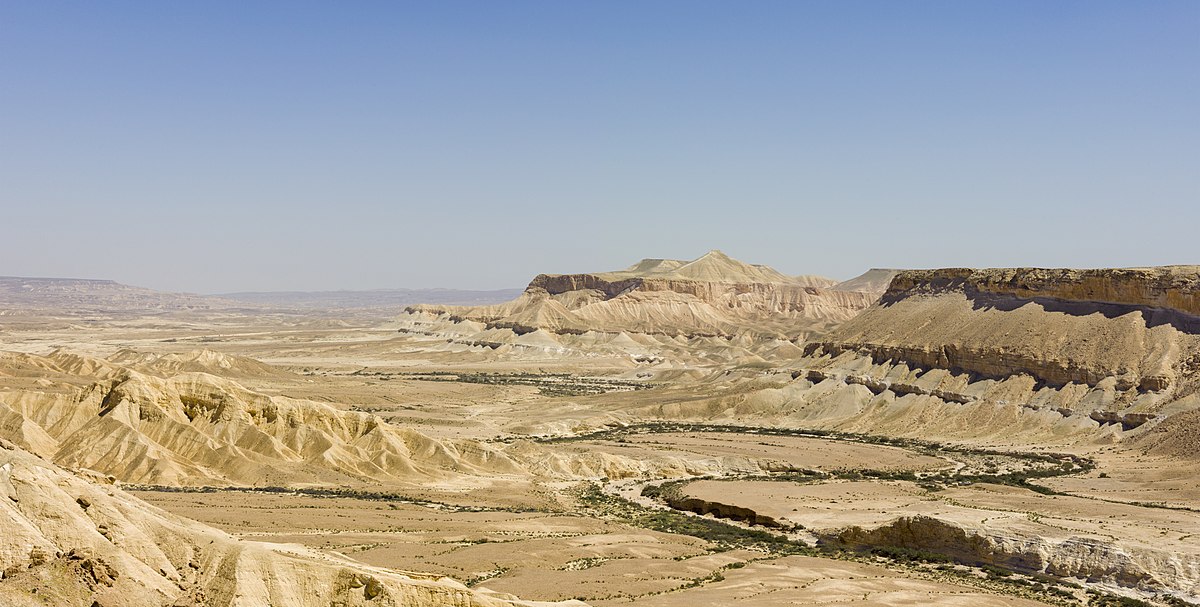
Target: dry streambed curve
<point>985,512</point>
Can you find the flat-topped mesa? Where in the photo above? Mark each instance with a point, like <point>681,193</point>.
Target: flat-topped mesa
<point>79,296</point>
<point>1168,287</point>
<point>709,291</point>
<point>555,284</point>
<point>1129,330</point>
<point>712,296</point>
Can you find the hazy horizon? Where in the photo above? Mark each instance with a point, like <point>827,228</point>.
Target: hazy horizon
<point>224,147</point>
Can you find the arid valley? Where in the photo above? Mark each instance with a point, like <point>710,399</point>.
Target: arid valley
<point>691,432</point>
<point>682,303</point>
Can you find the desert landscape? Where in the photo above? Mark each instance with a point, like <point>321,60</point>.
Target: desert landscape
<point>565,304</point>
<point>700,432</point>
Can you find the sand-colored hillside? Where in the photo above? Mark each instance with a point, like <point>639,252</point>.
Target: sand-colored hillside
<point>69,541</point>
<point>166,425</point>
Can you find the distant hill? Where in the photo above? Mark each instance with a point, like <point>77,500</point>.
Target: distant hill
<point>875,280</point>
<point>78,296</point>
<point>714,295</point>
<point>377,298</point>
<point>75,296</point>
<point>714,266</point>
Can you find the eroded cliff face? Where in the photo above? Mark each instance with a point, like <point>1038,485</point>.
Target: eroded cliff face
<point>964,354</point>
<point>1168,288</point>
<point>555,284</point>
<point>1137,328</point>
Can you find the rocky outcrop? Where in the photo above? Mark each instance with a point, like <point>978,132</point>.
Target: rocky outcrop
<point>993,363</point>
<point>1088,558</point>
<point>1168,288</point>
<point>556,284</point>
<point>719,510</point>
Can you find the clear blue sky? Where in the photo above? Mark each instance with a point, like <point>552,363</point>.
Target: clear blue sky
<point>211,146</point>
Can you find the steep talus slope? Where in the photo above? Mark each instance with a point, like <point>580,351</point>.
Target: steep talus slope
<point>714,266</point>
<point>1178,436</point>
<point>70,541</point>
<point>713,296</point>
